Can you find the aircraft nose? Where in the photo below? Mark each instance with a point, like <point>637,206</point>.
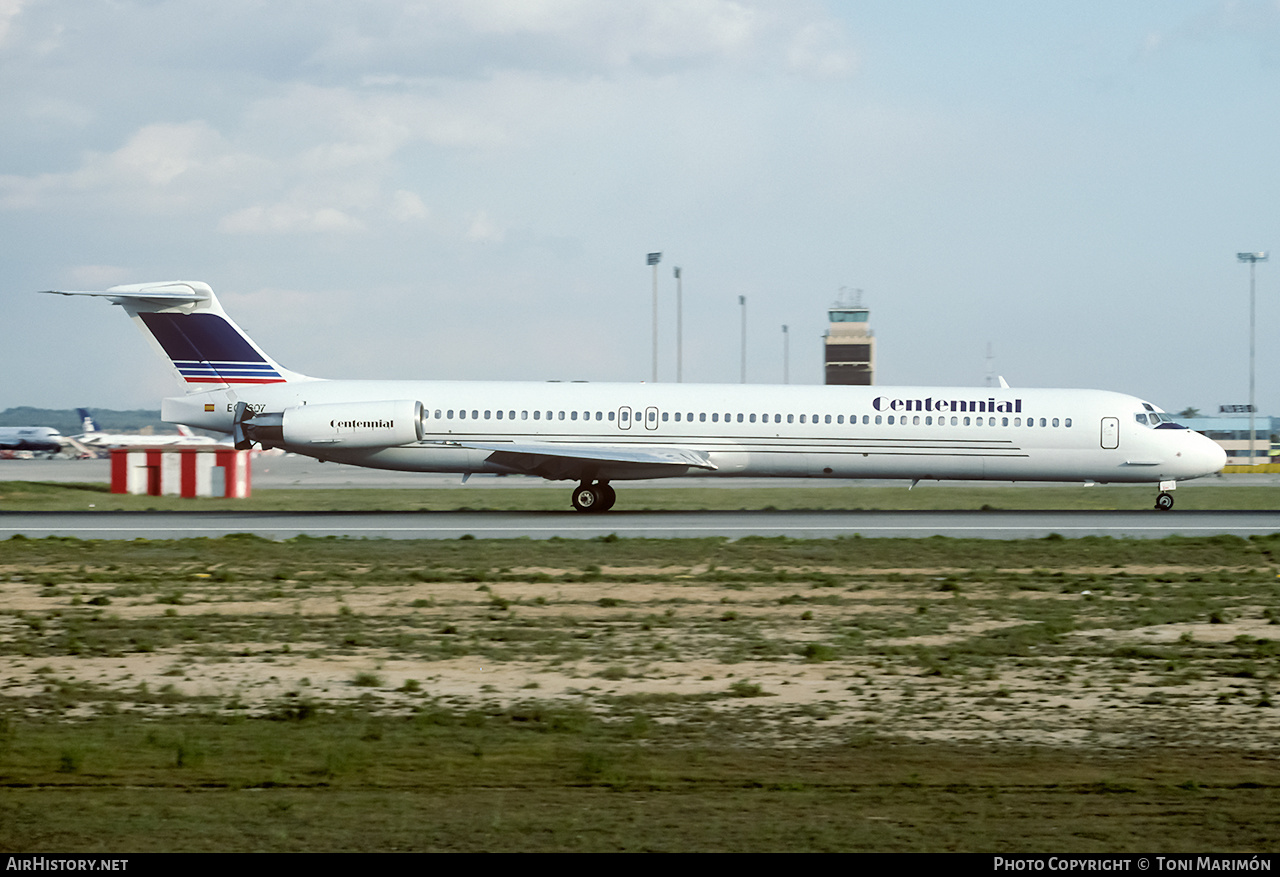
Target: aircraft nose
<point>1209,456</point>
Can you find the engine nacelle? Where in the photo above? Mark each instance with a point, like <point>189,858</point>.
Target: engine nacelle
<point>353,424</point>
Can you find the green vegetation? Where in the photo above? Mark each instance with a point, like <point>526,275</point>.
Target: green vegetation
<point>762,694</point>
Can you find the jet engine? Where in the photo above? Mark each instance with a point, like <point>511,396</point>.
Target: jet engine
<point>342,425</point>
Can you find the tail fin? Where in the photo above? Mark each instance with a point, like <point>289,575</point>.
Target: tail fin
<point>87,423</point>
<point>187,325</point>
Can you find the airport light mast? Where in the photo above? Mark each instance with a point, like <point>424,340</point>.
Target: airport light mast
<point>652,260</point>
<point>679,328</point>
<point>786,355</point>
<point>1253,259</point>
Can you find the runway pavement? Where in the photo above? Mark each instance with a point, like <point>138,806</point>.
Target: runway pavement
<point>271,471</point>
<point>654,525</point>
<point>275,472</point>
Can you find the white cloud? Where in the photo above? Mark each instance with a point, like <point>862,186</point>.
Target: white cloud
<point>584,37</point>
<point>9,10</point>
<point>160,167</point>
<point>818,49</point>
<point>289,219</point>
<point>484,230</point>
<point>407,207</point>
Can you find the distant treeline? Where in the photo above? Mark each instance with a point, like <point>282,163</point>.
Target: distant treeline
<point>67,422</point>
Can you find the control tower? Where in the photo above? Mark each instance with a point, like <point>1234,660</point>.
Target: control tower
<point>849,345</point>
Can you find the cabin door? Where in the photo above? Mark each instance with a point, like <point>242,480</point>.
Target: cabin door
<point>651,418</point>
<point>624,418</point>
<point>1110,433</point>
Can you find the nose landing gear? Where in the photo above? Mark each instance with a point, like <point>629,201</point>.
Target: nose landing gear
<point>1164,502</point>
<point>598,497</point>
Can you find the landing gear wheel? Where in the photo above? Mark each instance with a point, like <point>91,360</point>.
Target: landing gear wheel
<point>607,496</point>
<point>587,498</point>
<point>1164,502</point>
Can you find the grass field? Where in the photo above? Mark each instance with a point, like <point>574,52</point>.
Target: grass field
<point>763,694</point>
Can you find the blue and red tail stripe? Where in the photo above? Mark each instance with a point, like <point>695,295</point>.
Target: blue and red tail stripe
<point>204,372</point>
<point>206,349</point>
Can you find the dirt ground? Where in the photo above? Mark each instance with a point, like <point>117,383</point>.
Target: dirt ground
<point>894,654</point>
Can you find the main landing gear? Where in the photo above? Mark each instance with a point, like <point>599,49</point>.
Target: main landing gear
<point>598,497</point>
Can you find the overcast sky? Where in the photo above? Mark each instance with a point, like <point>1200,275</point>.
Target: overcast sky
<point>468,188</point>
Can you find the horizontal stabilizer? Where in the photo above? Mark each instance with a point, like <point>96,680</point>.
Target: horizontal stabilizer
<point>167,293</point>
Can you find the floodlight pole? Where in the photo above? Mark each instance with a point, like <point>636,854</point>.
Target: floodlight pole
<point>786,356</point>
<point>679,329</point>
<point>653,259</point>
<point>1253,259</point>
<point>742,301</point>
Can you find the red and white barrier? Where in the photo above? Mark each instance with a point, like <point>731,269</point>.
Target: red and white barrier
<point>169,471</point>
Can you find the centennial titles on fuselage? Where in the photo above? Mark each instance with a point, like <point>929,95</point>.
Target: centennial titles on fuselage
<point>884,403</point>
<point>362,424</point>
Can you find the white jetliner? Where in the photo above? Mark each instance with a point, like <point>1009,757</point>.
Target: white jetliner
<point>44,439</point>
<point>595,434</point>
<point>95,438</point>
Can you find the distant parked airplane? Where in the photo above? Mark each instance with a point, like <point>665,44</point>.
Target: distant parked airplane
<point>595,434</point>
<point>31,438</point>
<point>95,438</point>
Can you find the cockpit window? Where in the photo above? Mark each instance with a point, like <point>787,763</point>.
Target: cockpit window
<point>1156,419</point>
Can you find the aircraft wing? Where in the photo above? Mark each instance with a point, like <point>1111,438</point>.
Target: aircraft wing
<point>568,460</point>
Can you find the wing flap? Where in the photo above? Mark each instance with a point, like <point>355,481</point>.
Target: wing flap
<point>566,460</point>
